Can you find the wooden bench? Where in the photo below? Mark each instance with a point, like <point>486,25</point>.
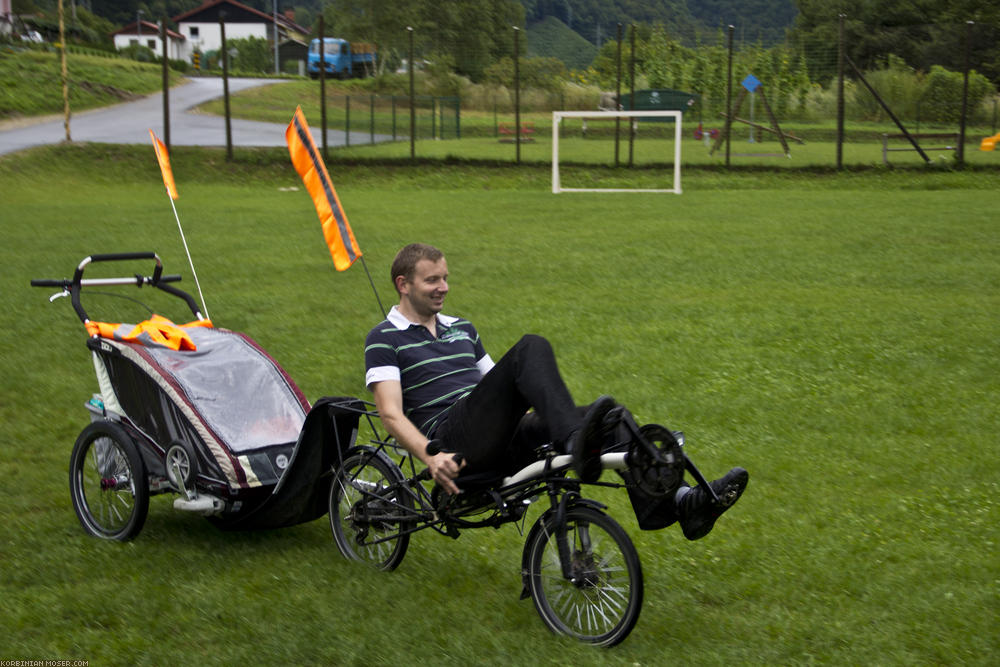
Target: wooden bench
<point>953,136</point>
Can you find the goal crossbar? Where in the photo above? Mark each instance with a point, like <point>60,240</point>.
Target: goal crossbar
<point>557,117</point>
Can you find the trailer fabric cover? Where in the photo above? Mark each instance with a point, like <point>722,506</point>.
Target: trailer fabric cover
<point>303,493</point>
<point>239,391</point>
<point>244,408</point>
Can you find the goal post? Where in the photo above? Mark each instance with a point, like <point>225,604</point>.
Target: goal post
<point>557,117</point>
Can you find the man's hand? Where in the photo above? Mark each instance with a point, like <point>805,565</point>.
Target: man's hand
<point>389,403</point>
<point>444,469</point>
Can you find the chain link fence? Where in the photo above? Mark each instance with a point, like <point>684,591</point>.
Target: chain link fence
<point>741,98</point>
<point>834,97</point>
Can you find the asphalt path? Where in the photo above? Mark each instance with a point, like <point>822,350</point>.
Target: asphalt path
<point>130,122</point>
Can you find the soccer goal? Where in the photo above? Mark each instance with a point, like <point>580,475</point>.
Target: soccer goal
<point>557,117</point>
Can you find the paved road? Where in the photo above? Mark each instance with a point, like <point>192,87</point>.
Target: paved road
<point>129,123</point>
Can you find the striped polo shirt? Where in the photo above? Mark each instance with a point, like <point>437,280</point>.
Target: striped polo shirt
<point>433,372</point>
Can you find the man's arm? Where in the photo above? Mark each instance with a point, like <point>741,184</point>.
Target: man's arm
<point>389,403</point>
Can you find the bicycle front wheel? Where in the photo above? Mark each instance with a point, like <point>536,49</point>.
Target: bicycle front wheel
<point>600,599</point>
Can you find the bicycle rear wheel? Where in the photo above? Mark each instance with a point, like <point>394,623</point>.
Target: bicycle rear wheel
<point>369,509</point>
<point>600,601</point>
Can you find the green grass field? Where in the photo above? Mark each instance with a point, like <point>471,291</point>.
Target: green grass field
<point>31,81</point>
<point>837,335</point>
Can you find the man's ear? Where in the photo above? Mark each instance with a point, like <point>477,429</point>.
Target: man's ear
<point>400,284</point>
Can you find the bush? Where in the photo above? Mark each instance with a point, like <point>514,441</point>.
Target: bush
<point>138,52</point>
<point>254,54</point>
<point>898,85</point>
<point>941,100</point>
<point>542,73</point>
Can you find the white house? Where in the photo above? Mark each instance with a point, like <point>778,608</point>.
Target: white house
<point>148,34</point>
<point>200,26</point>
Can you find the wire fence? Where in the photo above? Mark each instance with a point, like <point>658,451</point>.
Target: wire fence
<point>824,99</point>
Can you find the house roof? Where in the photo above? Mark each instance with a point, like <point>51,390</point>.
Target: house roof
<point>147,28</point>
<point>235,13</point>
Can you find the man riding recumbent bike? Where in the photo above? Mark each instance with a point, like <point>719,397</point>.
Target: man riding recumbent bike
<point>578,565</point>
<point>494,438</point>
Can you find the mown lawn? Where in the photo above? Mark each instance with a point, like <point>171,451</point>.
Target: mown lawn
<point>834,334</point>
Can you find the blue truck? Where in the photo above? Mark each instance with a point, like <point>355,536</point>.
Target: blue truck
<point>342,59</point>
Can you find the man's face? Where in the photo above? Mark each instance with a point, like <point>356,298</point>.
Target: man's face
<point>426,291</point>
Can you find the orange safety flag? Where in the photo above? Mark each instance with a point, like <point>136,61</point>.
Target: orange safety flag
<point>157,331</point>
<point>336,230</point>
<point>164,159</point>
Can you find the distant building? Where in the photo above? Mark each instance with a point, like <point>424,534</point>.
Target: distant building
<point>200,26</point>
<point>6,18</point>
<point>148,34</point>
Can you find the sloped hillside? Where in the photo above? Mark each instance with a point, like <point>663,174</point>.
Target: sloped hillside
<point>551,38</point>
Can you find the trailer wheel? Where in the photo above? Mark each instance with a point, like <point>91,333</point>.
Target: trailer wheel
<point>107,482</point>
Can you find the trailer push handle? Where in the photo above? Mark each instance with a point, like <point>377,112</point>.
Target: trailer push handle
<point>158,280</point>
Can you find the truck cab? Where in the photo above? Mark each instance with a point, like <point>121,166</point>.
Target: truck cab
<point>341,58</point>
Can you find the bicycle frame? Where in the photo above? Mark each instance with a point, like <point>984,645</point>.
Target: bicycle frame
<point>578,564</point>
<point>505,500</point>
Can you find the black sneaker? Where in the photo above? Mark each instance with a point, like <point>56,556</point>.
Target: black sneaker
<point>698,511</point>
<point>589,440</point>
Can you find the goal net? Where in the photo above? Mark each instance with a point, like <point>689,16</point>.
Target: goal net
<point>631,116</point>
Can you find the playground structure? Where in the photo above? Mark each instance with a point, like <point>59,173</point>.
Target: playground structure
<point>989,143</point>
<point>752,85</point>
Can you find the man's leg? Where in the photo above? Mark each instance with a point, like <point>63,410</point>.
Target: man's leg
<point>482,425</point>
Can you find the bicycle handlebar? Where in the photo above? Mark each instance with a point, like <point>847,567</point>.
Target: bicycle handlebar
<point>434,448</point>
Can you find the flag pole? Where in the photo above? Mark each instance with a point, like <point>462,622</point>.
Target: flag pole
<point>372,283</point>
<point>163,159</point>
<point>190,261</point>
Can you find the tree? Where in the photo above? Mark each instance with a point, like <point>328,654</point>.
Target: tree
<point>471,33</point>
<point>921,32</point>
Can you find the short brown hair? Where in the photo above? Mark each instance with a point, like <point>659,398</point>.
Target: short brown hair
<point>406,260</point>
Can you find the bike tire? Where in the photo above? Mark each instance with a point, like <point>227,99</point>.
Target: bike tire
<point>600,604</point>
<point>368,509</point>
<point>107,482</point>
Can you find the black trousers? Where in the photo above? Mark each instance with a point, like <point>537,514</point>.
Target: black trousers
<point>491,426</point>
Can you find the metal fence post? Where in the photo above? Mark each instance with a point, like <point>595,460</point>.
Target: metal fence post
<point>322,82</point>
<point>729,94</point>
<point>618,93</point>
<point>960,149</point>
<point>413,102</point>
<point>631,98</point>
<point>517,94</point>
<point>225,85</point>
<point>166,85</point>
<point>840,92</point>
